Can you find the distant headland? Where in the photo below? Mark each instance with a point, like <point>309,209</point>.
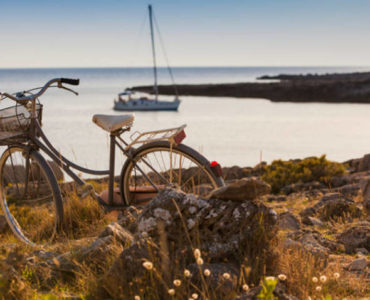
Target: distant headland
<point>330,88</point>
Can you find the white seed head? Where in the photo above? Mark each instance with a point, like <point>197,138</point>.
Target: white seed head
<point>336,275</point>
<point>245,287</point>
<point>270,278</point>
<point>282,277</point>
<point>187,273</point>
<point>314,279</point>
<point>171,292</point>
<point>137,297</point>
<point>197,253</point>
<point>177,282</point>
<point>207,272</point>
<point>194,296</point>
<point>318,288</point>
<point>226,276</point>
<point>199,261</point>
<point>323,278</point>
<point>147,265</point>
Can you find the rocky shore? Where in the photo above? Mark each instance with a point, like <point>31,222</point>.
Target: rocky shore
<point>310,231</point>
<point>331,88</point>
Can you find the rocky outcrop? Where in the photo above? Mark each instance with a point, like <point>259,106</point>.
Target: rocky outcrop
<point>356,236</point>
<point>174,223</point>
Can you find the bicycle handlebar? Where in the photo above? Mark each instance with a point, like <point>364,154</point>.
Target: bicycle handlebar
<point>43,89</point>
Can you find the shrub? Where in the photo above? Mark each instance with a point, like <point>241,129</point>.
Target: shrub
<point>281,173</point>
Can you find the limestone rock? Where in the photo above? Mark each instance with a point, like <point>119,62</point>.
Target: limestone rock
<point>288,221</point>
<point>242,190</point>
<point>358,264</point>
<point>357,236</point>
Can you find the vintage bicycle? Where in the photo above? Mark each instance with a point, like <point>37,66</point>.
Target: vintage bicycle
<point>30,194</point>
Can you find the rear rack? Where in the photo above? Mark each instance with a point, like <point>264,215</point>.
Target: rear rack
<point>173,135</point>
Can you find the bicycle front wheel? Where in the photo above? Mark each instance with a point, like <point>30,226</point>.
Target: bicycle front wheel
<point>157,165</point>
<point>29,195</point>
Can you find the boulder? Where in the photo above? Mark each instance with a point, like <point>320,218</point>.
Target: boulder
<point>358,264</point>
<point>312,221</point>
<point>365,187</point>
<point>339,208</point>
<point>215,281</point>
<point>357,236</point>
<point>364,163</point>
<point>299,187</point>
<point>287,220</point>
<point>174,223</point>
<point>242,190</point>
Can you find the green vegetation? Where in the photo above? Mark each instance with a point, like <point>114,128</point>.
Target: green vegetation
<point>281,173</point>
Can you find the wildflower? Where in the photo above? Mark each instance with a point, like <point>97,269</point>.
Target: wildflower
<point>199,261</point>
<point>282,277</point>
<point>318,288</point>
<point>314,279</point>
<point>147,265</point>
<point>194,296</point>
<point>197,253</point>
<point>207,272</point>
<point>137,297</point>
<point>187,273</point>
<point>323,278</point>
<point>245,287</point>
<point>226,276</point>
<point>177,282</point>
<point>336,275</point>
<point>268,278</point>
<point>144,234</point>
<point>171,292</point>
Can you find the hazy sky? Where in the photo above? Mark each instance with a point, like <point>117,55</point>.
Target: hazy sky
<point>106,33</point>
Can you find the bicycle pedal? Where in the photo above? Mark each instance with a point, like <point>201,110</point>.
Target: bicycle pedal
<point>85,190</point>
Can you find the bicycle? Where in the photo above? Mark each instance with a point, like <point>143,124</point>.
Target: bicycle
<point>30,195</point>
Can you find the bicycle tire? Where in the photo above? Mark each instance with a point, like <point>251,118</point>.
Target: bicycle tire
<point>206,183</point>
<point>23,191</point>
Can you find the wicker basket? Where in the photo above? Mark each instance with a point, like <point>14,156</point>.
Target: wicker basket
<point>15,121</point>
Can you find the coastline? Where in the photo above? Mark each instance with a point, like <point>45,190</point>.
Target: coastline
<point>327,88</point>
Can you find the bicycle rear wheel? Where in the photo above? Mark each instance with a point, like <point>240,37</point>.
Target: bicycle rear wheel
<point>29,195</point>
<point>157,165</point>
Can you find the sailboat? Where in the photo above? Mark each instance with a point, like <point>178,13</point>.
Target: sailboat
<point>128,102</point>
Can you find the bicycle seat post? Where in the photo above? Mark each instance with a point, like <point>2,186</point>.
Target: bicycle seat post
<point>111,167</point>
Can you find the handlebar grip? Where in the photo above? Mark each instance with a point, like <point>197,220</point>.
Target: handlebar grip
<point>70,81</point>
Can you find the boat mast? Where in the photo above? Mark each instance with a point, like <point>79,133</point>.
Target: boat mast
<point>153,51</point>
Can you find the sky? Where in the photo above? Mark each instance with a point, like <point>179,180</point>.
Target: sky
<point>115,33</point>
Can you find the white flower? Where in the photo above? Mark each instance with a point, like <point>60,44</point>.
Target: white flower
<point>282,277</point>
<point>314,279</point>
<point>171,292</point>
<point>323,278</point>
<point>137,297</point>
<point>199,261</point>
<point>245,287</point>
<point>194,296</point>
<point>144,234</point>
<point>177,282</point>
<point>147,265</point>
<point>318,288</point>
<point>187,273</point>
<point>226,276</point>
<point>197,253</point>
<point>336,275</point>
<point>207,272</point>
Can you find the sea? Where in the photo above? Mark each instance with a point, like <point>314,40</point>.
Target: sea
<point>242,131</point>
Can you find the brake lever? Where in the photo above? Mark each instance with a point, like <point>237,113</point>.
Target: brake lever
<point>68,89</point>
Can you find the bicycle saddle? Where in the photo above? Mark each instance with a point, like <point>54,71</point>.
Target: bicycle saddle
<point>112,123</point>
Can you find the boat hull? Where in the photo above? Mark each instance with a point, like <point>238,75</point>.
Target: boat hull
<point>154,106</point>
